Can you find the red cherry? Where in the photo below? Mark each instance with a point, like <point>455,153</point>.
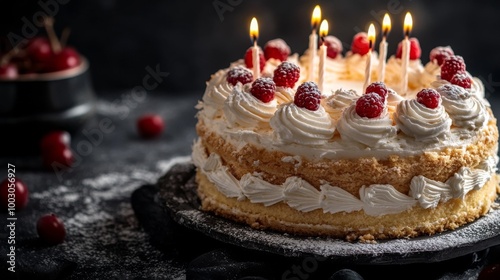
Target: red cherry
<point>67,58</point>
<point>8,71</point>
<point>55,138</point>
<point>415,50</point>
<point>333,46</point>
<point>51,229</point>
<point>39,50</point>
<point>490,272</point>
<point>58,153</point>
<point>360,43</point>
<point>20,192</point>
<point>150,126</point>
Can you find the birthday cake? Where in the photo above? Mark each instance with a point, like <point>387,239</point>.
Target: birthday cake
<point>389,160</point>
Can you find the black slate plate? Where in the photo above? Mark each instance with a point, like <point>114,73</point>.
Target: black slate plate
<point>179,197</point>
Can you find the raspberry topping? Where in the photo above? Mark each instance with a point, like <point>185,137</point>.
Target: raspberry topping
<point>263,89</point>
<point>333,46</point>
<point>378,88</point>
<point>461,79</point>
<point>429,97</point>
<point>370,105</point>
<point>308,96</point>
<point>249,59</point>
<point>440,54</point>
<point>286,74</point>
<point>451,66</point>
<point>360,43</point>
<point>277,49</point>
<point>239,74</point>
<point>415,50</point>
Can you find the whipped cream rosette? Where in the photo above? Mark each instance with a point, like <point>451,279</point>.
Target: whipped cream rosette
<point>356,65</point>
<point>216,92</point>
<point>293,124</point>
<point>372,132</point>
<point>284,95</point>
<point>243,110</point>
<point>336,103</point>
<point>464,109</point>
<point>431,73</point>
<point>421,122</point>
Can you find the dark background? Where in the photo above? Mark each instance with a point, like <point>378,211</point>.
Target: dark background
<point>191,39</point>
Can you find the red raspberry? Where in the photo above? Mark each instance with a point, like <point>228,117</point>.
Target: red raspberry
<point>451,66</point>
<point>429,97</point>
<point>249,59</point>
<point>461,79</point>
<point>370,105</point>
<point>333,46</point>
<point>286,74</point>
<point>415,50</point>
<point>277,49</point>
<point>263,89</point>
<point>239,74</point>
<point>308,96</point>
<point>360,43</point>
<point>378,88</point>
<point>440,54</point>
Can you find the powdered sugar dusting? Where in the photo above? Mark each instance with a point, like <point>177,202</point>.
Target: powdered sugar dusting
<point>104,219</point>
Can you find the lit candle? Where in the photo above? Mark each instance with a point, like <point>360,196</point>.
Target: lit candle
<point>368,70</point>
<point>386,28</point>
<point>313,40</point>
<point>408,24</point>
<point>323,31</point>
<point>254,34</point>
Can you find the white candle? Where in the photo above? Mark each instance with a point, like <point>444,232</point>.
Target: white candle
<point>256,61</point>
<point>386,27</point>
<point>405,56</point>
<point>323,31</point>
<point>368,69</point>
<point>254,34</point>
<point>313,41</point>
<point>405,61</point>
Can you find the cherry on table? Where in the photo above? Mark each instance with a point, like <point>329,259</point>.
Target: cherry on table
<point>55,138</point>
<point>9,71</point>
<point>20,191</point>
<point>51,229</point>
<point>59,153</point>
<point>150,125</point>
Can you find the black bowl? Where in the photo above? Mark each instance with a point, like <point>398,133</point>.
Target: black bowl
<point>34,104</point>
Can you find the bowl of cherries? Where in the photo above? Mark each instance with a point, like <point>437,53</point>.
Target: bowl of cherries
<point>44,85</point>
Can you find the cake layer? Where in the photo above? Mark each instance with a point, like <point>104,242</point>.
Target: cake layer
<point>354,225</point>
<point>350,174</point>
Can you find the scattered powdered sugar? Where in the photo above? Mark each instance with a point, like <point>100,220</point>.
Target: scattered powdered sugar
<point>102,230</point>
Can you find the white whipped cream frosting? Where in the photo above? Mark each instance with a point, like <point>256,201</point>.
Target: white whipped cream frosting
<point>336,103</point>
<point>284,95</point>
<point>216,92</point>
<point>374,200</point>
<point>293,124</point>
<point>242,109</point>
<point>372,132</point>
<point>422,123</point>
<point>464,109</point>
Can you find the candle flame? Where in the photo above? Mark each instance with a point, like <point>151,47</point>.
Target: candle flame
<point>316,17</point>
<point>254,29</point>
<point>386,24</point>
<point>408,24</point>
<point>371,34</point>
<point>323,29</point>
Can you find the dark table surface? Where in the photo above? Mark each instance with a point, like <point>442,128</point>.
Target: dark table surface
<point>116,231</point>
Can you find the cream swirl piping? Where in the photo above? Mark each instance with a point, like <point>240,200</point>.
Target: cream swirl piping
<point>429,192</point>
<point>284,95</point>
<point>371,132</point>
<point>243,109</point>
<point>336,103</point>
<point>464,110</point>
<point>216,92</point>
<point>384,199</point>
<point>293,124</point>
<point>422,123</point>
